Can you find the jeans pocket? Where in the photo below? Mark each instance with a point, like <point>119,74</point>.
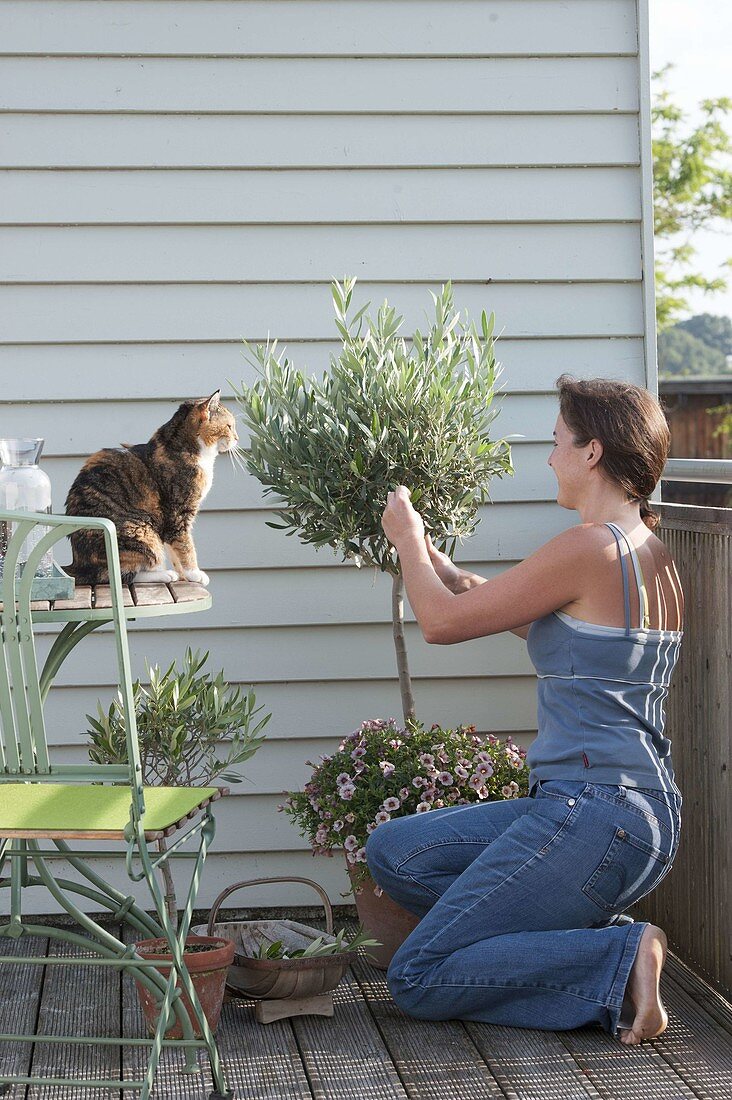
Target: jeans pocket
<point>630,869</point>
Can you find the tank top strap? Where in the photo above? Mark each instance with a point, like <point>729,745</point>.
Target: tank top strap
<point>626,589</point>
<point>642,593</point>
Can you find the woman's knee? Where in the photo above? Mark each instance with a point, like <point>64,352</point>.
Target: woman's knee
<point>409,995</point>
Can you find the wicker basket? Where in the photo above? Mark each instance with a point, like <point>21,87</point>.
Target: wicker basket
<point>277,979</point>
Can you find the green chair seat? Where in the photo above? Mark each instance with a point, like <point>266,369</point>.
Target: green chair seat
<point>65,809</point>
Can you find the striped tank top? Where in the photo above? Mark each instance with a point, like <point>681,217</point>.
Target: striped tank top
<point>601,695</point>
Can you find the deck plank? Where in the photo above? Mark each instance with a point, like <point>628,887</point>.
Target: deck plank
<point>426,1054</point>
<point>530,1064</point>
<point>615,1070</point>
<point>697,1048</point>
<point>76,1001</point>
<point>261,1061</point>
<point>20,993</point>
<point>344,1054</point>
<point>369,1048</point>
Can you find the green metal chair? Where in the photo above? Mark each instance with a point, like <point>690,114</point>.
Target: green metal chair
<point>44,802</point>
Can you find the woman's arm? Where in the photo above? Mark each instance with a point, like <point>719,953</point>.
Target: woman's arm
<point>552,577</point>
<point>458,580</point>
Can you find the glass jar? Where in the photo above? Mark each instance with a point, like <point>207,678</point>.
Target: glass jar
<point>24,487</point>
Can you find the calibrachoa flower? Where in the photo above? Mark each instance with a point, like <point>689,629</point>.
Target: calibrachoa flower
<point>383,771</point>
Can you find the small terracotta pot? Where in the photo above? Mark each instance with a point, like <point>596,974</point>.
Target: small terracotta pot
<point>382,920</point>
<point>208,973</point>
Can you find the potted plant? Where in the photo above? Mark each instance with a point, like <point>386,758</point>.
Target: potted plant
<point>193,728</point>
<point>382,771</point>
<point>389,411</point>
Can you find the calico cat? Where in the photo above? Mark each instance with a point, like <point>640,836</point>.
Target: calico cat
<point>151,492</point>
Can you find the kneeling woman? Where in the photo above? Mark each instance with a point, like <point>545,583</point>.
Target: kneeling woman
<point>521,900</point>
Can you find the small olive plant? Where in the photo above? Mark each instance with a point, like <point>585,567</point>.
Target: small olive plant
<point>390,410</point>
<point>192,728</point>
<point>318,948</point>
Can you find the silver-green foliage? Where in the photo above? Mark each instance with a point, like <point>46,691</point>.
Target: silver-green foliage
<point>389,411</point>
<point>192,727</point>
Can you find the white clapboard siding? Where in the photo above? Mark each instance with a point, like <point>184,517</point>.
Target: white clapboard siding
<point>174,177</point>
<point>415,253</point>
<point>533,480</point>
<point>229,540</point>
<point>68,312</point>
<point>361,27</point>
<point>108,140</point>
<point>523,418</point>
<point>368,196</point>
<point>271,654</point>
<point>172,372</point>
<point>310,712</point>
<point>314,85</point>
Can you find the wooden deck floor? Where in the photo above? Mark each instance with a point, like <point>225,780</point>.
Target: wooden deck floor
<point>369,1050</point>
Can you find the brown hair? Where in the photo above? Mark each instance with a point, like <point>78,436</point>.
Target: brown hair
<point>631,426</point>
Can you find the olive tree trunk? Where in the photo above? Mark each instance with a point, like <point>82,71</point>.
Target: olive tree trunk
<point>397,617</point>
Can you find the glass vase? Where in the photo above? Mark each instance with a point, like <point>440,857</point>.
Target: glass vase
<point>24,487</point>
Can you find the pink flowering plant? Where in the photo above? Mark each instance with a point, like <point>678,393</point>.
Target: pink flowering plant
<point>383,770</point>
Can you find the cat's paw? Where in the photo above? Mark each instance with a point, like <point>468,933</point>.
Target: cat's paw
<point>196,576</point>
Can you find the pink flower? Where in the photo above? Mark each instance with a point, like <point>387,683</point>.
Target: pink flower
<point>347,791</point>
<point>506,791</point>
<point>484,770</point>
<point>475,781</point>
<point>350,843</point>
<point>381,817</point>
<point>404,793</point>
<point>358,752</point>
<point>445,778</point>
<point>422,807</point>
<point>361,855</point>
<point>350,818</point>
<point>344,777</point>
<point>418,781</point>
<point>483,756</point>
<point>426,760</point>
<point>387,768</point>
<point>461,772</point>
<point>391,803</point>
<point>337,826</point>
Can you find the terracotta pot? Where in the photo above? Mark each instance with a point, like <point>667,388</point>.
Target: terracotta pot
<point>382,920</point>
<point>208,973</point>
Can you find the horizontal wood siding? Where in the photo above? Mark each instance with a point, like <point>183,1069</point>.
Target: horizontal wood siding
<point>176,176</point>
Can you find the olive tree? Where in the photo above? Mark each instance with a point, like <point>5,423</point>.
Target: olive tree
<point>389,411</point>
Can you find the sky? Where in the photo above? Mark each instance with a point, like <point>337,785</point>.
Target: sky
<point>696,35</point>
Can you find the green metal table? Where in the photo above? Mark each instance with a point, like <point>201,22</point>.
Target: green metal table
<point>91,607</point>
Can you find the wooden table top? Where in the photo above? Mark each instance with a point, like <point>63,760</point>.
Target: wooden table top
<point>140,601</point>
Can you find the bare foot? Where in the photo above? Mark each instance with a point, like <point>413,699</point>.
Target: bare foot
<point>651,1017</point>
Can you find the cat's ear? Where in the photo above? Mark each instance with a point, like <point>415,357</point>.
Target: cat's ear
<point>209,405</point>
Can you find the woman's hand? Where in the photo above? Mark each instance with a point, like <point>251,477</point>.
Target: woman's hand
<point>445,568</point>
<point>400,520</point>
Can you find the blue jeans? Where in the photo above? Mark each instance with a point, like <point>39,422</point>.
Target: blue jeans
<point>521,900</point>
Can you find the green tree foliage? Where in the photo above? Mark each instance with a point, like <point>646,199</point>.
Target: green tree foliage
<point>390,411</point>
<point>680,354</point>
<point>692,190</point>
<point>714,331</point>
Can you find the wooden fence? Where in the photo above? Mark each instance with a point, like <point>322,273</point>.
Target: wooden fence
<point>694,903</point>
